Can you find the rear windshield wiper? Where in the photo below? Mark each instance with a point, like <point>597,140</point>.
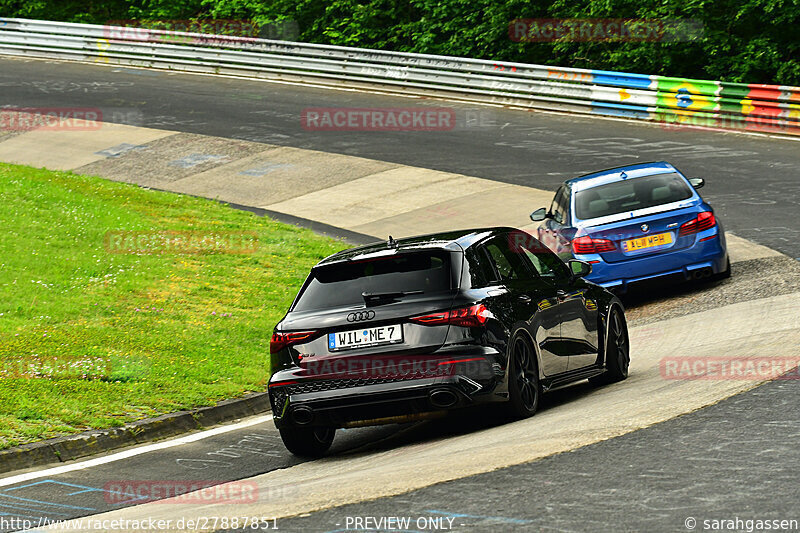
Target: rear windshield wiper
<point>376,298</point>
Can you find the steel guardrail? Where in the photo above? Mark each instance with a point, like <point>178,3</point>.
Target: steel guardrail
<point>673,101</point>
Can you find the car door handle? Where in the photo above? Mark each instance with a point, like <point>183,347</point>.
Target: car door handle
<point>562,295</point>
<point>524,298</point>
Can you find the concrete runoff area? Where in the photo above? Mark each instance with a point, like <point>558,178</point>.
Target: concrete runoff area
<point>5,135</point>
<point>501,204</point>
<point>374,197</point>
<point>68,150</point>
<point>164,161</point>
<point>277,174</point>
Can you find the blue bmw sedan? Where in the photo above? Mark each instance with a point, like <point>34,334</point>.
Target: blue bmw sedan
<point>635,223</point>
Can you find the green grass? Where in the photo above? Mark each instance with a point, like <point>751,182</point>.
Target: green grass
<point>92,339</point>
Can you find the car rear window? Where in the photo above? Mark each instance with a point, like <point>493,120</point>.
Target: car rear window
<point>630,195</point>
<point>342,284</point>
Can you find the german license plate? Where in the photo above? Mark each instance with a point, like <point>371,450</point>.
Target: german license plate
<point>651,241</point>
<point>364,338</point>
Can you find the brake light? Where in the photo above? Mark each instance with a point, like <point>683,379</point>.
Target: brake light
<point>588,245</point>
<point>473,316</point>
<point>704,221</point>
<point>456,361</point>
<point>280,340</point>
<point>282,383</point>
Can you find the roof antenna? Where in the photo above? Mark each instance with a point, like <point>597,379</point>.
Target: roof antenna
<point>392,243</point>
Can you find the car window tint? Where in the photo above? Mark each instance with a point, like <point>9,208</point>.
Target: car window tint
<point>481,271</point>
<point>556,197</point>
<point>630,195</point>
<point>540,258</point>
<point>558,209</point>
<point>563,206</point>
<point>544,261</point>
<point>508,264</point>
<point>341,284</point>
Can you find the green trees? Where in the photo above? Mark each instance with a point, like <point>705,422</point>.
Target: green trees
<point>752,41</point>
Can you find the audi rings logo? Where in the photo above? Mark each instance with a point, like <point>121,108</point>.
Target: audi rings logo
<point>361,316</point>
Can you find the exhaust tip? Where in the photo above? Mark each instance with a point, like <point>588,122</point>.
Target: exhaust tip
<point>702,273</point>
<point>443,398</point>
<point>302,415</point>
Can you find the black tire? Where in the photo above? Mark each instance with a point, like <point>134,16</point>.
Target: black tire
<point>307,442</point>
<point>725,274</point>
<point>617,352</point>
<point>523,378</point>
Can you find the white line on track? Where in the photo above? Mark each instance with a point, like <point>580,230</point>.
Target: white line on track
<point>133,452</point>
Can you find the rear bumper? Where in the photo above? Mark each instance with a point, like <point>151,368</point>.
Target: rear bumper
<point>334,403</point>
<point>708,256</point>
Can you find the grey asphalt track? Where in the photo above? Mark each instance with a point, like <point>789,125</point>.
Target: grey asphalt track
<point>731,460</point>
<point>231,456</point>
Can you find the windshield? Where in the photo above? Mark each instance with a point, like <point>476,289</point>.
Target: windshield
<point>342,284</point>
<point>631,195</point>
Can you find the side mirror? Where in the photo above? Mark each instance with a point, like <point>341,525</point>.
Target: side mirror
<point>697,183</point>
<point>579,269</point>
<point>539,215</point>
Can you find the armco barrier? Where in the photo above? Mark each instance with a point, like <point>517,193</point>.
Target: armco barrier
<point>679,101</point>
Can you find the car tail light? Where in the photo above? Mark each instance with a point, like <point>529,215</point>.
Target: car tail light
<point>473,316</point>
<point>282,383</point>
<point>704,220</point>
<point>588,245</point>
<point>456,361</point>
<point>280,340</point>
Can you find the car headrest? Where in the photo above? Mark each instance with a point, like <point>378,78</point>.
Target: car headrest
<point>598,206</point>
<point>586,198</point>
<point>660,193</point>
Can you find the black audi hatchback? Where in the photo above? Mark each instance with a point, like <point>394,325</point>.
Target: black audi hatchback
<point>405,330</point>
